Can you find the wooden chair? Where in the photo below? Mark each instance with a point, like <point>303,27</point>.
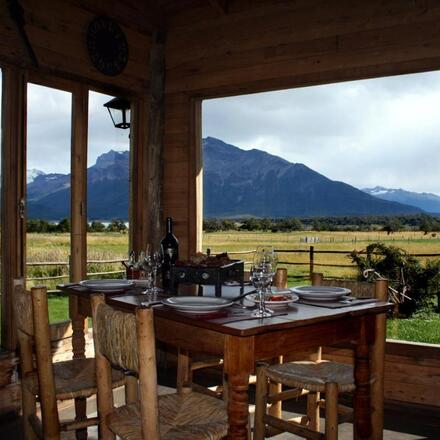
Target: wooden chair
<point>48,381</point>
<point>314,377</point>
<point>127,341</point>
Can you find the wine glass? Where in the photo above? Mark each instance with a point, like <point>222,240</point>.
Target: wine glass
<point>264,268</point>
<point>156,261</point>
<point>147,274</point>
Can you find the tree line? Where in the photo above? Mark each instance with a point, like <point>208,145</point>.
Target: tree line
<point>43,226</point>
<point>421,222</point>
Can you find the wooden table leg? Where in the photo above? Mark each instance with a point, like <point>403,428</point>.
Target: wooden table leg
<point>238,365</point>
<point>362,425</point>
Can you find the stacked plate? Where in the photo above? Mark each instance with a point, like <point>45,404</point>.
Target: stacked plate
<point>321,293</point>
<point>107,286</point>
<point>197,304</point>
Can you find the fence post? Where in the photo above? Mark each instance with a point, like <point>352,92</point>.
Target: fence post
<point>311,258</point>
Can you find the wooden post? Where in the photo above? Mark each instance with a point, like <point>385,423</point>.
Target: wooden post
<point>311,259</point>
<point>46,381</point>
<point>280,279</point>
<point>378,364</point>
<point>139,169</point>
<point>317,278</point>
<point>78,235</point>
<point>13,187</point>
<point>104,378</point>
<point>147,374</point>
<point>156,136</point>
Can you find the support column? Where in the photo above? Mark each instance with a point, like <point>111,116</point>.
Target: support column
<point>13,177</point>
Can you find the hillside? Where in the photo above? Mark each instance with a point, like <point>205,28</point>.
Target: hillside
<point>237,183</point>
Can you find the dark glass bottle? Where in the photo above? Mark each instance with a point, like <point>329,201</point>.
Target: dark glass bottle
<point>170,251</point>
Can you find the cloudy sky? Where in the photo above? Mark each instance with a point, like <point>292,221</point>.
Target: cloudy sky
<point>48,129</point>
<point>382,131</point>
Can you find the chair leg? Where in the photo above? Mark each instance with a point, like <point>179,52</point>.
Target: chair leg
<point>313,411</point>
<point>183,369</point>
<point>131,389</point>
<point>331,411</point>
<point>260,403</point>
<point>29,408</point>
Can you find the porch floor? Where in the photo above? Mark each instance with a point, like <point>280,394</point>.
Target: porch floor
<point>401,422</point>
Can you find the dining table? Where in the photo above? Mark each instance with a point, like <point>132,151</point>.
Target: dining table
<point>242,341</point>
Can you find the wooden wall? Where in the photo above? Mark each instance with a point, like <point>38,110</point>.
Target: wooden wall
<point>412,371</point>
<point>262,45</point>
<point>57,33</point>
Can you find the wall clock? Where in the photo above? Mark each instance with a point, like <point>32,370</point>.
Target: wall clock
<point>107,46</point>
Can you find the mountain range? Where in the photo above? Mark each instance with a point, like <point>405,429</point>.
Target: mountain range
<point>427,201</point>
<point>237,183</point>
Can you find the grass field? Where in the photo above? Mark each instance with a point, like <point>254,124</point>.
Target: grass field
<point>108,246</point>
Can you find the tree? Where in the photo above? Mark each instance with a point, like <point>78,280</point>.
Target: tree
<point>116,226</point>
<point>63,225</point>
<point>96,226</point>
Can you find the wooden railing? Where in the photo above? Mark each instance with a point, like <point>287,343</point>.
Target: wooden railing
<point>310,261</point>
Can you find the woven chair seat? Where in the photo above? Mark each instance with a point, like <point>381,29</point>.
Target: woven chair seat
<point>181,417</point>
<point>74,378</point>
<point>313,375</point>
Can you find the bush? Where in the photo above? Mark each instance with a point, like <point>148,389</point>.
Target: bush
<point>421,283</point>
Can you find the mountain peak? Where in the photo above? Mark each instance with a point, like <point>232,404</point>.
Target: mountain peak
<point>111,158</point>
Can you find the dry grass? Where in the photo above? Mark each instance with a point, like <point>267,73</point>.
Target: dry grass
<point>412,242</point>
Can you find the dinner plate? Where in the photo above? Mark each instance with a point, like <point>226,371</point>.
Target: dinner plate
<point>320,293</point>
<point>107,285</point>
<point>276,304</point>
<point>196,304</point>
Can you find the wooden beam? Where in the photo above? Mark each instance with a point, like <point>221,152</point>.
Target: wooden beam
<point>220,6</point>
<point>195,181</point>
<point>139,168</point>
<point>156,136</point>
<point>17,14</point>
<point>13,184</point>
<point>78,212</point>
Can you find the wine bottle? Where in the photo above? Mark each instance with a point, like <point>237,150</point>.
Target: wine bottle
<point>170,251</point>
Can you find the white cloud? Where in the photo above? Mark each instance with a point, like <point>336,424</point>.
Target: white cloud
<point>381,131</point>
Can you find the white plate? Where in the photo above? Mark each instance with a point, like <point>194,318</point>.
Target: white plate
<point>276,304</point>
<point>320,293</point>
<point>107,285</point>
<point>196,304</point>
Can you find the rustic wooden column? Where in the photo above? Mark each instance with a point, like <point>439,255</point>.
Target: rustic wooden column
<point>156,136</point>
<point>78,242</point>
<point>78,237</point>
<point>139,209</point>
<point>13,218</point>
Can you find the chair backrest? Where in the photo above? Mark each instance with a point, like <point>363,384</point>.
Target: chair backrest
<point>127,341</point>
<point>31,317</point>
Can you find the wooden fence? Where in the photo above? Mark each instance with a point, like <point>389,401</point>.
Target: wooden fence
<point>310,261</point>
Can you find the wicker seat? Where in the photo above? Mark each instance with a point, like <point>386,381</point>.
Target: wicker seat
<point>312,378</point>
<point>50,381</point>
<point>74,378</point>
<point>127,341</point>
<point>177,418</point>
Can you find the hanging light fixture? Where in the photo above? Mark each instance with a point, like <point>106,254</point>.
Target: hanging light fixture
<point>119,110</point>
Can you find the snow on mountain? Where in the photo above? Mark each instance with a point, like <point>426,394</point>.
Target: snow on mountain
<point>32,174</point>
